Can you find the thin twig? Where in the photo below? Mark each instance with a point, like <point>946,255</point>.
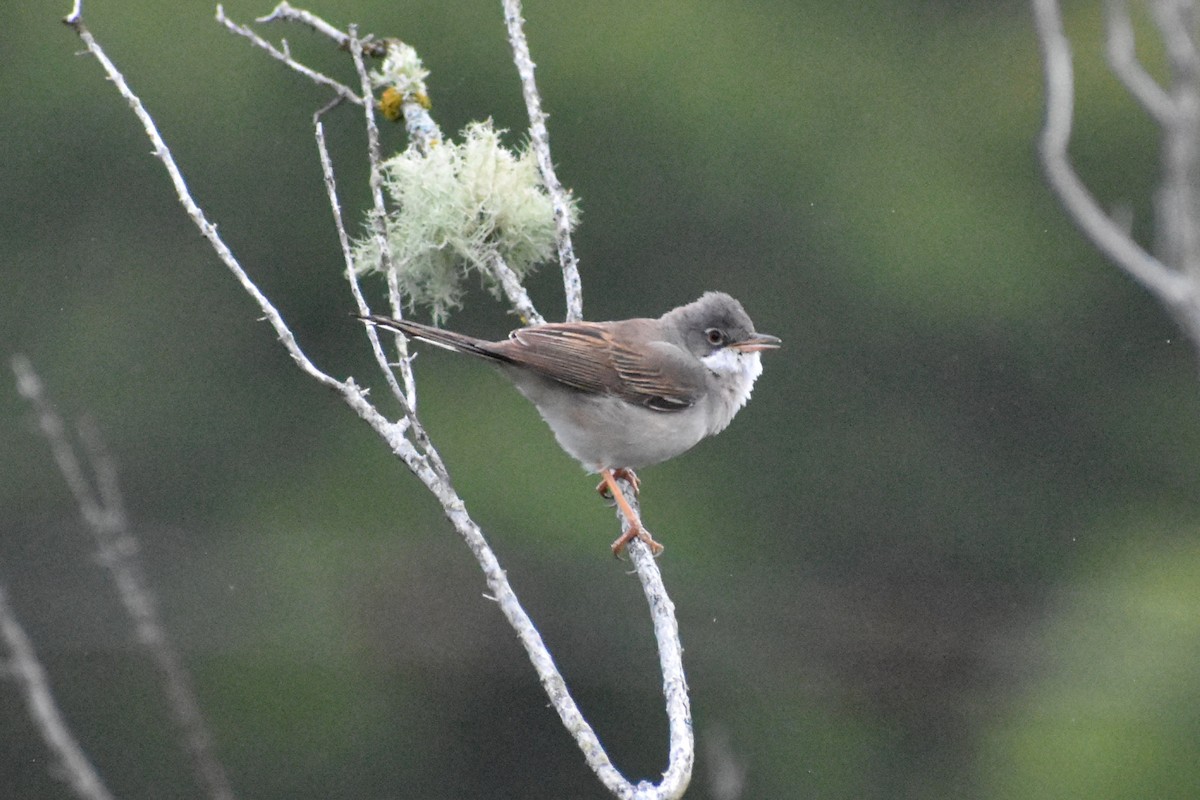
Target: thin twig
<point>514,290</point>
<point>104,514</point>
<point>539,137</point>
<point>343,91</point>
<point>406,396</point>
<point>23,666</point>
<point>378,219</point>
<point>285,12</point>
<point>378,215</point>
<point>197,215</point>
<point>1122,58</point>
<point>396,304</point>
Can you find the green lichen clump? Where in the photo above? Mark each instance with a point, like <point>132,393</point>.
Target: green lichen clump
<point>457,207</point>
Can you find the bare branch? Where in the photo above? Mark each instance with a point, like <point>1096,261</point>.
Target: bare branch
<point>396,304</point>
<point>104,515</point>
<point>197,215</point>
<point>23,665</point>
<point>1176,24</point>
<point>1171,288</point>
<point>343,91</point>
<point>514,290</point>
<point>379,207</point>
<point>284,12</point>
<point>670,656</point>
<point>1122,58</point>
<point>540,139</point>
<point>408,395</point>
<point>1177,205</point>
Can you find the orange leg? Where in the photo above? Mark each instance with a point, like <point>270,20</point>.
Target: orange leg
<point>636,530</point>
<point>621,473</point>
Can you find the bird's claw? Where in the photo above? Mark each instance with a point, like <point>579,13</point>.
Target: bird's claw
<point>627,475</point>
<point>609,488</point>
<point>640,533</point>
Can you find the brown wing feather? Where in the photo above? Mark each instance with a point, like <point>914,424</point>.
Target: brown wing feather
<point>586,356</point>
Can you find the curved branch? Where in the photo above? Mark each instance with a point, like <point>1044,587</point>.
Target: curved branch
<point>540,139</point>
<point>1171,287</point>
<point>682,745</point>
<point>1122,58</point>
<point>681,757</point>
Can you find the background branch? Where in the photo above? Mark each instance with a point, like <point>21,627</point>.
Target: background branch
<point>1174,277</point>
<point>104,514</point>
<point>23,666</point>
<point>1122,57</point>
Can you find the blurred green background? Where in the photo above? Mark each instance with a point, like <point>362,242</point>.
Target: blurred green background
<point>950,550</point>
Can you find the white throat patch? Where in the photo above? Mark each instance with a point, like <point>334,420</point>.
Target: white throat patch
<point>736,372</point>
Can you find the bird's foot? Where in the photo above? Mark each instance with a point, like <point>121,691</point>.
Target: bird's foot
<point>634,521</point>
<point>636,532</point>
<point>620,474</point>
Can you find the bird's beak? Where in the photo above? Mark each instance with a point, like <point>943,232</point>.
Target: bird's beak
<point>756,342</point>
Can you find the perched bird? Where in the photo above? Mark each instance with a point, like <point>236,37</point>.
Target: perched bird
<point>626,394</point>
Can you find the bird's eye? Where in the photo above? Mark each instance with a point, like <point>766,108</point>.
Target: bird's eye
<point>714,336</point>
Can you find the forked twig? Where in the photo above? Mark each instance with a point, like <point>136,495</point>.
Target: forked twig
<point>1122,57</point>
<point>1174,278</point>
<point>104,514</point>
<point>343,91</point>
<point>1074,194</point>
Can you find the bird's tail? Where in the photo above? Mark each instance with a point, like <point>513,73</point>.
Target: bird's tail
<point>459,343</point>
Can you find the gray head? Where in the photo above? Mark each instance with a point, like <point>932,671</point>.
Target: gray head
<point>714,322</point>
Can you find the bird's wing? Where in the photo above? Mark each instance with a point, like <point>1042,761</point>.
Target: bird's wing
<point>588,356</point>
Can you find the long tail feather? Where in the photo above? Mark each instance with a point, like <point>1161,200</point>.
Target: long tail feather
<point>458,342</point>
